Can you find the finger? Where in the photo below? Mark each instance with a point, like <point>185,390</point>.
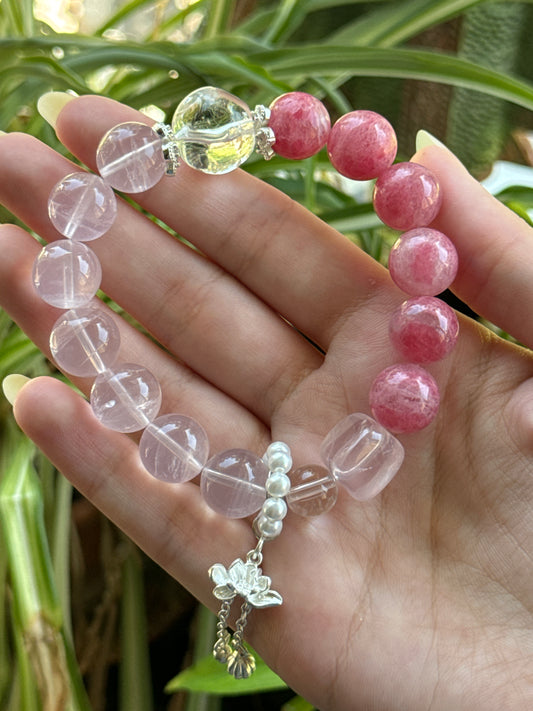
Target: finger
<point>227,423</point>
<point>293,261</point>
<point>169,522</point>
<point>495,275</point>
<point>193,307</point>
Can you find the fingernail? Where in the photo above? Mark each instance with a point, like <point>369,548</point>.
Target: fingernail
<point>425,138</point>
<point>2,133</point>
<point>12,385</point>
<point>50,105</point>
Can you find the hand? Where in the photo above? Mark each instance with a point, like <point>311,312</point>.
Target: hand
<point>418,599</point>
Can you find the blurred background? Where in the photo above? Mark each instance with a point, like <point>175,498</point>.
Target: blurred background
<point>86,621</point>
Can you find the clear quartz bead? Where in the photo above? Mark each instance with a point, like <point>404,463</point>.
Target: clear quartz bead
<point>362,455</point>
<point>130,157</point>
<point>174,448</point>
<point>313,491</point>
<point>214,130</point>
<point>233,483</point>
<point>82,207</point>
<point>85,341</point>
<point>66,274</point>
<point>126,397</point>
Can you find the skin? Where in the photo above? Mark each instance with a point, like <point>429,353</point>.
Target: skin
<point>420,599</point>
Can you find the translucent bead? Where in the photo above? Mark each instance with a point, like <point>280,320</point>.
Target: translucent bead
<point>301,125</point>
<point>407,195</point>
<point>362,455</point>
<point>313,491</point>
<point>214,130</point>
<point>278,484</point>
<point>130,157</point>
<point>85,341</point>
<point>423,262</point>
<point>67,274</point>
<point>126,397</point>
<point>404,398</point>
<point>424,329</point>
<point>361,145</point>
<point>174,448</point>
<point>233,483</point>
<point>274,509</point>
<point>82,207</point>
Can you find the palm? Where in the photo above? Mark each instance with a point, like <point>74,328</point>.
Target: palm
<point>387,603</point>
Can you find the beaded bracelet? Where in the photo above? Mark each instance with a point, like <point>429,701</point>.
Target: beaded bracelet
<point>215,132</point>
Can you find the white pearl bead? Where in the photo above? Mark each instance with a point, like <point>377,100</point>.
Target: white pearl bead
<point>278,447</point>
<point>280,461</point>
<point>278,484</point>
<point>268,528</point>
<point>274,509</point>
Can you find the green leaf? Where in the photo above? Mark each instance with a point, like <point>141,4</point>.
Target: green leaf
<point>297,704</point>
<point>209,676</point>
<point>291,62</point>
<point>399,21</point>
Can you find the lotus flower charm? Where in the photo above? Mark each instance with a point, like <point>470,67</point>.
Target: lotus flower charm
<point>245,580</point>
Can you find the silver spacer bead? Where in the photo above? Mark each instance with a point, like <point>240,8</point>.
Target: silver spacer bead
<point>260,116</point>
<point>169,146</point>
<point>264,140</point>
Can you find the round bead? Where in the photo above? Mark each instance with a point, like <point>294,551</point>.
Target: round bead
<point>407,195</point>
<point>423,262</point>
<point>85,341</point>
<point>278,484</point>
<point>280,461</point>
<point>301,125</point>
<point>361,145</point>
<point>214,130</point>
<point>404,398</point>
<point>277,447</point>
<point>233,483</point>
<point>362,455</point>
<point>130,157</point>
<point>275,509</point>
<point>174,448</point>
<point>126,397</point>
<point>313,491</point>
<point>82,207</point>
<point>66,274</point>
<point>267,528</point>
<point>424,329</point>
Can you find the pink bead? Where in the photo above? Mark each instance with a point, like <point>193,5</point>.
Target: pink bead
<point>362,455</point>
<point>126,397</point>
<point>301,125</point>
<point>130,157</point>
<point>66,274</point>
<point>82,207</point>
<point>407,195</point>
<point>404,398</point>
<point>361,145</point>
<point>233,483</point>
<point>174,448</point>
<point>424,329</point>
<point>85,341</point>
<point>423,262</point>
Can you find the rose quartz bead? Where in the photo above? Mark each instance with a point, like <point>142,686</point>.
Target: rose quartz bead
<point>82,207</point>
<point>362,455</point>
<point>313,490</point>
<point>423,262</point>
<point>126,397</point>
<point>174,448</point>
<point>85,341</point>
<point>424,329</point>
<point>407,195</point>
<point>67,274</point>
<point>404,398</point>
<point>301,125</point>
<point>233,483</point>
<point>130,157</point>
<point>361,145</point>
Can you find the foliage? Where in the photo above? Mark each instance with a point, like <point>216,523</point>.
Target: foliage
<point>149,54</point>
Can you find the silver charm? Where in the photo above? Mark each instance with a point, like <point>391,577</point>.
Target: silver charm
<point>169,146</point>
<point>264,136</point>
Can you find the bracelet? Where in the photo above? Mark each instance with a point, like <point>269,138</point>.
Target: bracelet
<point>215,132</point>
